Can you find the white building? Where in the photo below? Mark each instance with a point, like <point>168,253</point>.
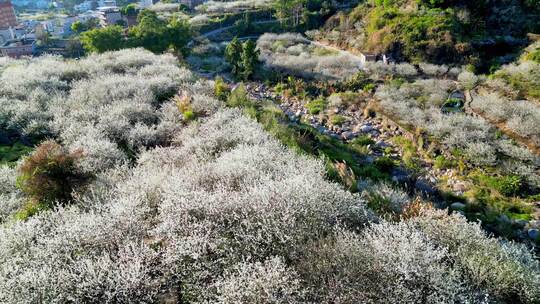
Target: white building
<point>6,35</point>
<point>109,15</point>
<point>106,3</point>
<point>145,3</point>
<point>83,7</point>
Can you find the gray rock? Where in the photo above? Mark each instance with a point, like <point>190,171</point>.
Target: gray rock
<point>520,223</point>
<point>347,135</point>
<point>504,219</point>
<point>4,139</point>
<point>534,224</point>
<point>381,144</point>
<point>399,176</point>
<point>366,129</point>
<point>457,206</point>
<point>533,233</point>
<point>321,129</point>
<point>425,187</point>
<point>459,187</point>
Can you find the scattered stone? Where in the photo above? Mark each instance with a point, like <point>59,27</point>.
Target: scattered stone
<point>366,129</point>
<point>347,135</point>
<point>4,139</point>
<point>381,144</point>
<point>399,176</point>
<point>520,223</point>
<point>504,219</point>
<point>424,186</point>
<point>533,234</point>
<point>457,206</point>
<point>459,187</point>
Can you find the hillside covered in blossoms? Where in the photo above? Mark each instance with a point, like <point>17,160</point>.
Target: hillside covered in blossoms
<point>166,206</point>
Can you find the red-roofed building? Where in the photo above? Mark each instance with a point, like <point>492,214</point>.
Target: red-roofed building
<point>7,15</point>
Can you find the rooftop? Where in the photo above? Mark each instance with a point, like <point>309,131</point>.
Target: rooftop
<point>16,43</point>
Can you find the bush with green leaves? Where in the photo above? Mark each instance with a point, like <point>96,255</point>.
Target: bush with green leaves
<point>50,174</point>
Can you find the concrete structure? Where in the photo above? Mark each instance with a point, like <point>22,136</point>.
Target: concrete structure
<point>6,35</point>
<point>7,15</point>
<point>365,57</point>
<point>109,15</point>
<point>83,7</point>
<point>192,3</point>
<point>32,4</point>
<point>18,48</point>
<point>106,3</point>
<point>145,3</point>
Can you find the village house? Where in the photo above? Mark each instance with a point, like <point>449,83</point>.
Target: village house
<point>109,15</point>
<point>7,15</point>
<point>18,48</point>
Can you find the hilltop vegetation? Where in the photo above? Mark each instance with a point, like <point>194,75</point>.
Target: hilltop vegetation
<point>210,207</point>
<point>462,32</point>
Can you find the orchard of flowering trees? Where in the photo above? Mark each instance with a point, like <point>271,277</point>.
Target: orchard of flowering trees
<point>213,209</point>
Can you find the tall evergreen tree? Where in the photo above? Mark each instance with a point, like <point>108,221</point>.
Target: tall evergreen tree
<point>233,55</point>
<point>250,59</point>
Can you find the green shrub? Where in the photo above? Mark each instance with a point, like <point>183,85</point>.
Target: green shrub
<point>363,140</point>
<point>509,185</point>
<point>337,120</point>
<point>384,164</point>
<point>29,209</point>
<point>356,82</point>
<point>189,115</point>
<point>316,106</point>
<point>369,87</point>
<point>239,98</point>
<point>372,172</point>
<point>533,56</point>
<point>442,163</point>
<point>221,90</point>
<point>505,185</point>
<point>50,174</point>
<point>11,154</point>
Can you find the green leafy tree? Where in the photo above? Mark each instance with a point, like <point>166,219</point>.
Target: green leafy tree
<point>233,55</point>
<point>157,35</point>
<point>105,39</point>
<point>250,59</point>
<point>78,27</point>
<point>130,10</point>
<point>179,34</point>
<point>291,10</point>
<point>243,25</point>
<point>42,36</point>
<point>149,32</point>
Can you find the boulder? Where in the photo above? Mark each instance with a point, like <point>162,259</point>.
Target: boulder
<point>534,234</point>
<point>459,187</point>
<point>457,206</point>
<point>366,129</point>
<point>424,187</point>
<point>4,139</point>
<point>399,176</point>
<point>381,144</point>
<point>347,135</point>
